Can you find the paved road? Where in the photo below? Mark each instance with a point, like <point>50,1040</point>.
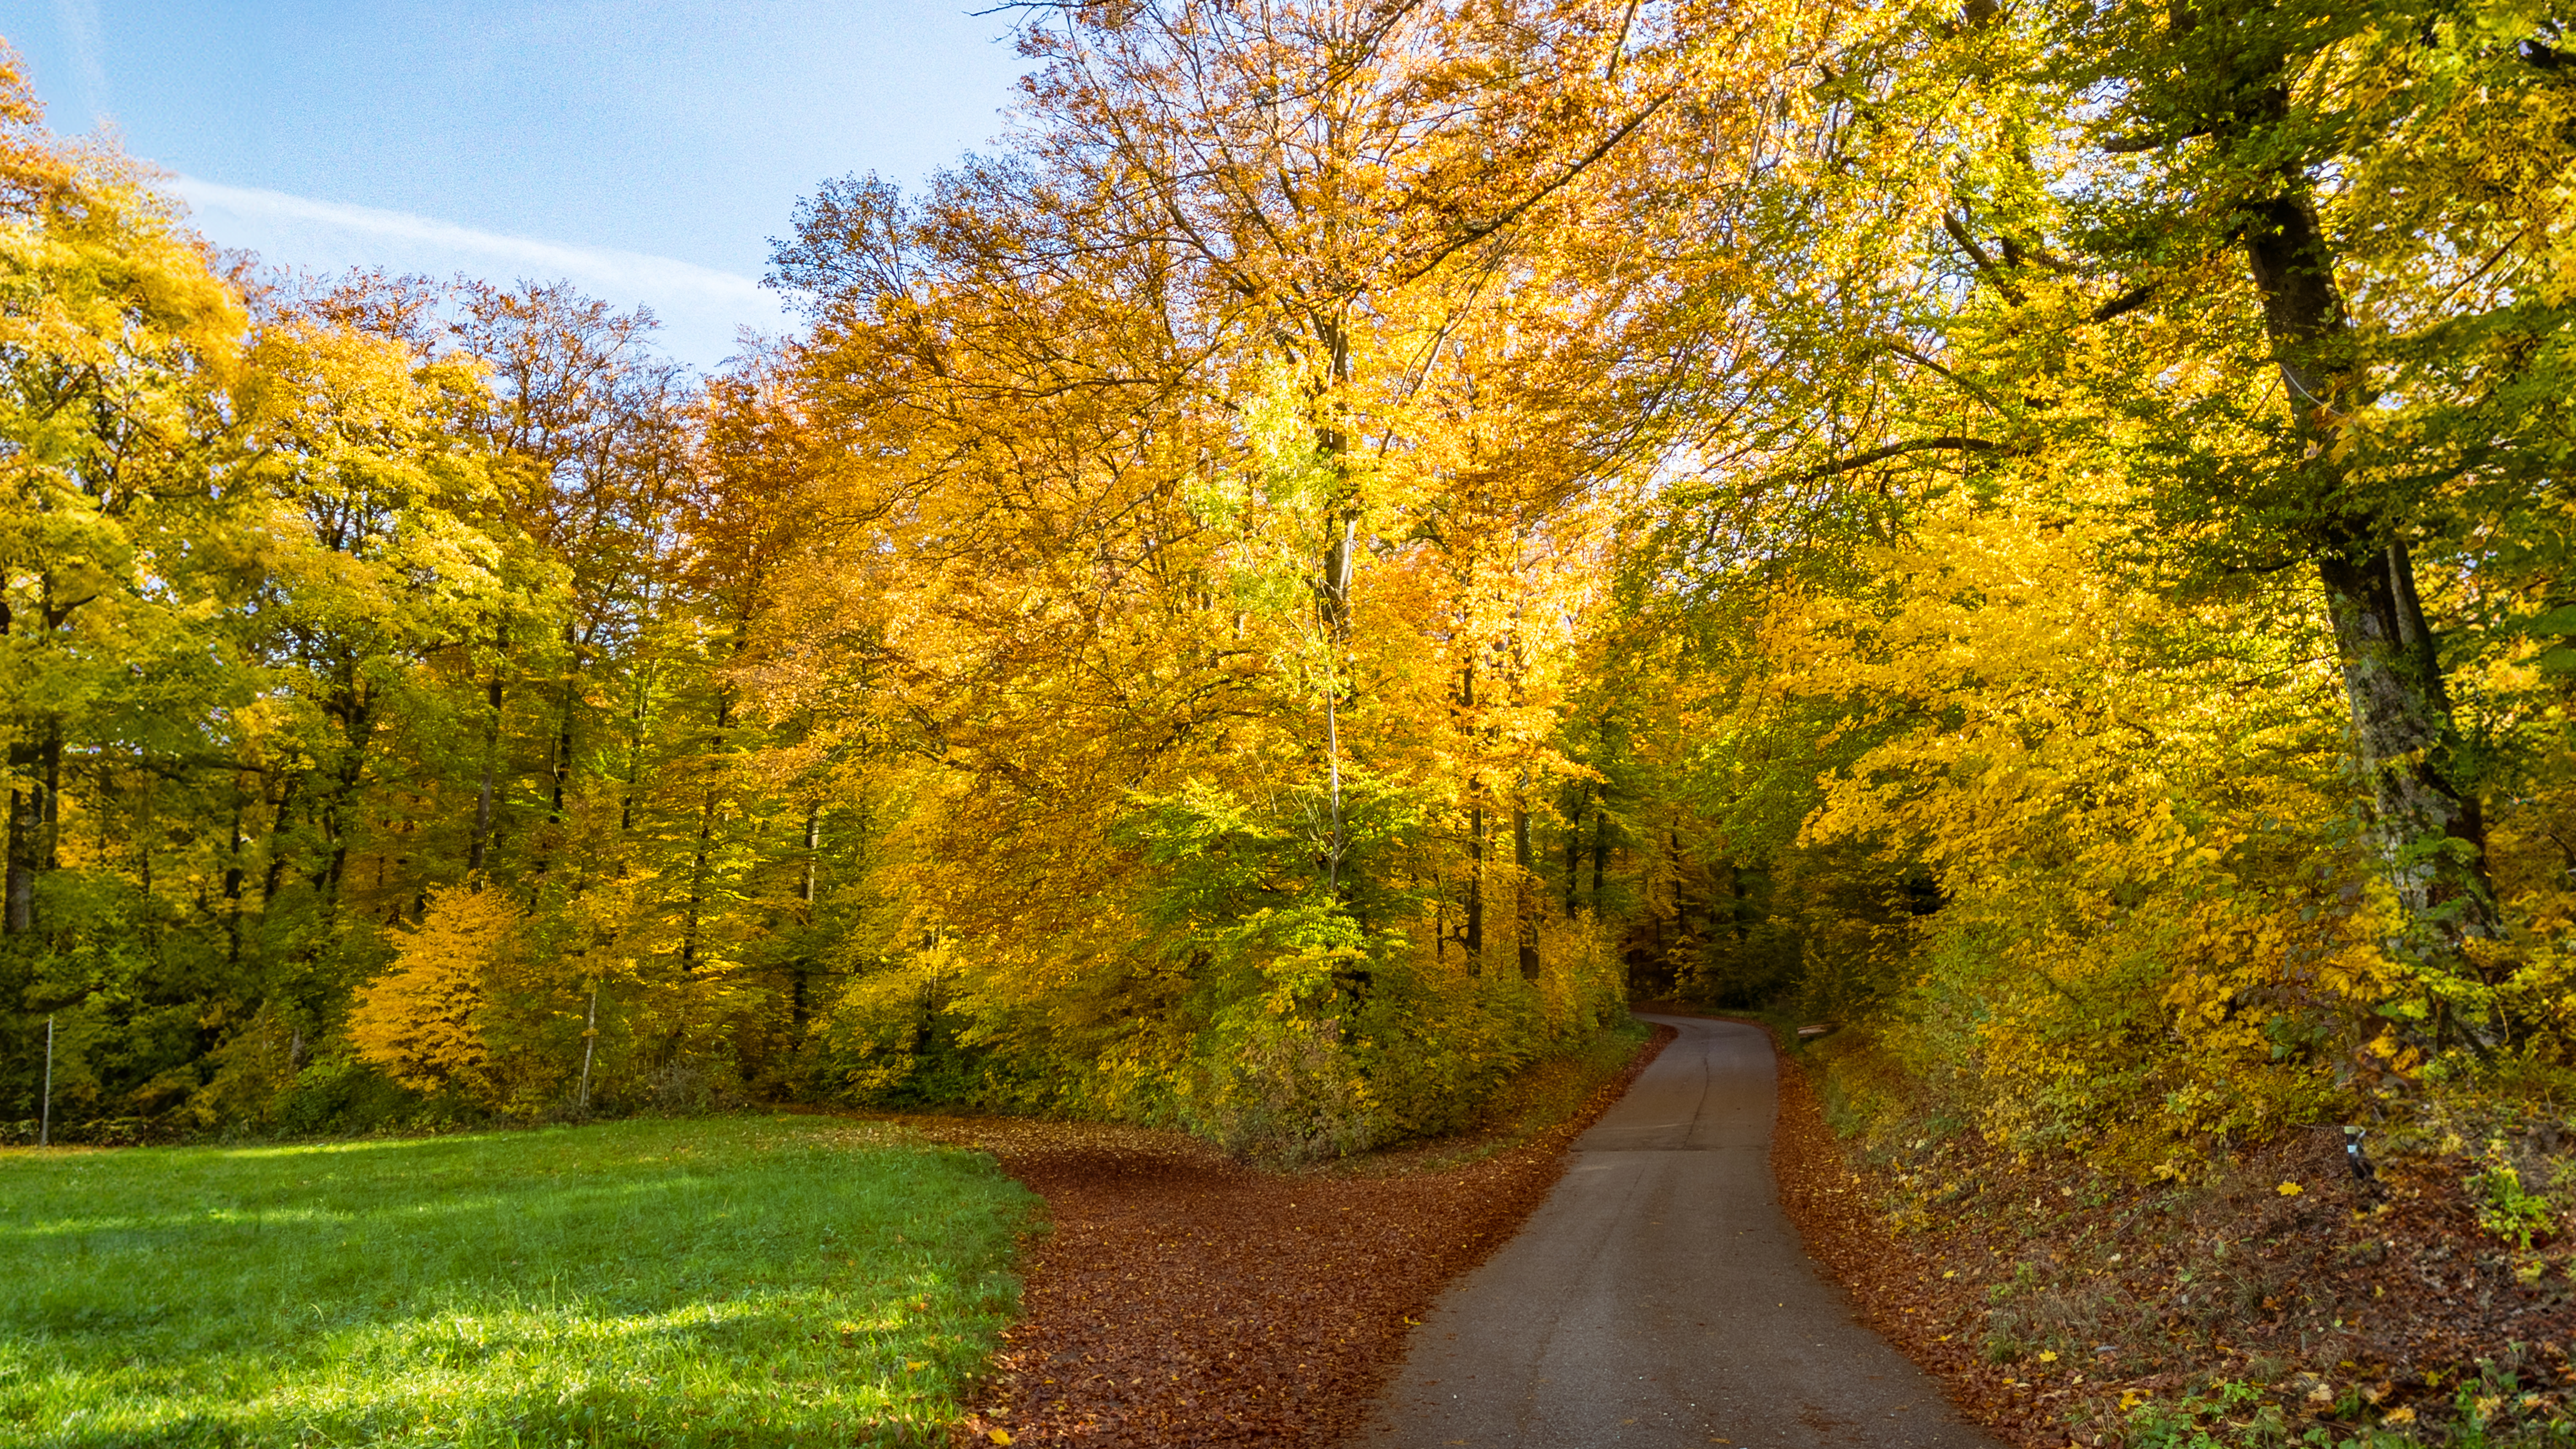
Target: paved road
<point>1658,1297</point>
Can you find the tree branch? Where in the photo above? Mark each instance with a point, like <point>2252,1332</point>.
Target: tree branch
<point>1958,231</point>
<point>1945,443</point>
<point>1520,208</point>
<point>2128,301</point>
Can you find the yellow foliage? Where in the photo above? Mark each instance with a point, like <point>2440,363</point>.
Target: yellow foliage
<point>2146,928</point>
<point>422,1021</point>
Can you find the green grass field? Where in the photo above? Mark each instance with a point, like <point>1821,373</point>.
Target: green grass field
<point>728,1281</point>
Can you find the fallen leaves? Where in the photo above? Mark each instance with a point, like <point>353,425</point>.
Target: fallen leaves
<point>2273,1275</point>
<point>1177,1298</point>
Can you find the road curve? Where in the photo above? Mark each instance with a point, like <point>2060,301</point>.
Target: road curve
<point>1658,1297</point>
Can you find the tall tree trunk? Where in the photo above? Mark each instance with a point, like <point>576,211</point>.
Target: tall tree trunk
<point>636,720</point>
<point>1474,937</point>
<point>559,761</point>
<point>2430,834</point>
<point>1525,894</point>
<point>1573,844</point>
<point>1334,590</point>
<point>281,810</point>
<point>481,843</point>
<point>49,853</point>
<point>1333,760</point>
<point>705,852</point>
<point>233,883</point>
<point>1341,522</point>
<point>26,824</point>
<point>559,766</point>
<point>1600,851</point>
<point>558,770</point>
<point>336,804</point>
<point>813,853</point>
<point>35,816</point>
<point>1475,942</point>
<point>146,819</point>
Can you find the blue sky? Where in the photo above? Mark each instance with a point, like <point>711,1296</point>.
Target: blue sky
<point>645,150</point>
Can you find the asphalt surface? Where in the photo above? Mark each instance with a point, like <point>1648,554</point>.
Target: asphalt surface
<point>1658,1297</point>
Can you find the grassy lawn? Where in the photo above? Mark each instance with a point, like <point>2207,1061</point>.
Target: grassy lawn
<point>730,1281</point>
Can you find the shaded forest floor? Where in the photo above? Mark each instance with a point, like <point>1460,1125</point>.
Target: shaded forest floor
<point>1180,1298</point>
<point>2279,1301</point>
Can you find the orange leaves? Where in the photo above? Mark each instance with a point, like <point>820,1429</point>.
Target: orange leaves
<point>421,1021</point>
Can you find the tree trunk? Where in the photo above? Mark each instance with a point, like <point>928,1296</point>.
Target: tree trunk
<point>1600,852</point>
<point>813,853</point>
<point>481,843</point>
<point>1342,513</point>
<point>1333,759</point>
<point>705,853</point>
<point>18,894</point>
<point>335,805</point>
<point>1473,937</point>
<point>558,772</point>
<point>1475,941</point>
<point>559,768</point>
<point>636,720</point>
<point>1573,843</point>
<point>2429,832</point>
<point>146,817</point>
<point>49,850</point>
<point>1525,894</point>
<point>275,875</point>
<point>35,816</point>
<point>26,816</point>
<point>233,884</point>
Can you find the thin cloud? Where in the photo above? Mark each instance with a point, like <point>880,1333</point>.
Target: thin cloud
<point>700,307</point>
<point>79,22</point>
<point>633,270</point>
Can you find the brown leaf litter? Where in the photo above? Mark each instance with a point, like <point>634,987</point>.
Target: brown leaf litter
<point>2279,1297</point>
<point>1178,1298</point>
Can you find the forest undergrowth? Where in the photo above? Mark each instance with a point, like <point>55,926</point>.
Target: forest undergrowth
<point>2270,1295</point>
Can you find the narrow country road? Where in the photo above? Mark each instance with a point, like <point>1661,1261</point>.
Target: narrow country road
<point>1658,1297</point>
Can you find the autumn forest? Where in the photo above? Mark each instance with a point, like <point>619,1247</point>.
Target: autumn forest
<point>1357,540</point>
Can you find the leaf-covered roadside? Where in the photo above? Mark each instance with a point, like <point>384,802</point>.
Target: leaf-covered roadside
<point>1179,1298</point>
<point>2279,1300</point>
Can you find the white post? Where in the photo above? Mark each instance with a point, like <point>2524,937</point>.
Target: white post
<point>45,1125</point>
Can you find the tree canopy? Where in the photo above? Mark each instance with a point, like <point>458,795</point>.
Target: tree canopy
<point>1365,533</point>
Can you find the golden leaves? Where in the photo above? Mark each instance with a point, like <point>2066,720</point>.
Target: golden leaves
<point>421,1021</point>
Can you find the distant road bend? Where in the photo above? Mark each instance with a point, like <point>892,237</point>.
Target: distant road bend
<point>1659,1298</point>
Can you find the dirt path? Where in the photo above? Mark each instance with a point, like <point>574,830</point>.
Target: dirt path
<point>1659,1297</point>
